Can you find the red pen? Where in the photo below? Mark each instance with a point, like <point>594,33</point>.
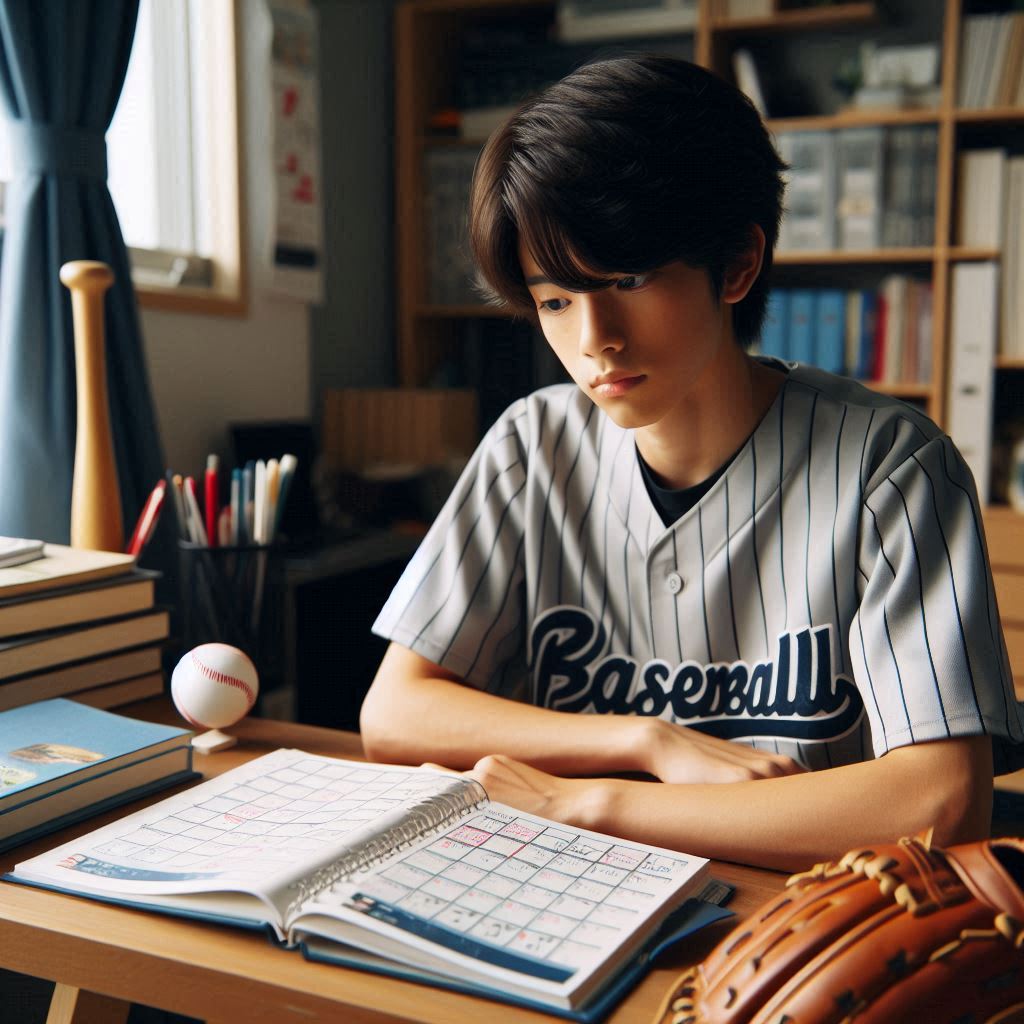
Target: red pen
<point>147,520</point>
<point>212,496</point>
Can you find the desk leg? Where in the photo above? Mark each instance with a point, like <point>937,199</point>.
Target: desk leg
<point>71,1005</point>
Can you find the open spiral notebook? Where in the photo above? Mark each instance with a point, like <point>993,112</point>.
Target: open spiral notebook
<point>404,871</point>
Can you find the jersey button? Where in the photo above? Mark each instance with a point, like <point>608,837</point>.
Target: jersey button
<point>675,582</point>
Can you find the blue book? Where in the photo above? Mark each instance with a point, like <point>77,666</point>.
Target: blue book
<point>868,321</point>
<point>802,324</point>
<point>401,871</point>
<point>830,332</point>
<point>775,333</point>
<point>61,761</point>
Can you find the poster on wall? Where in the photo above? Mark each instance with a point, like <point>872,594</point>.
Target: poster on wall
<point>296,250</point>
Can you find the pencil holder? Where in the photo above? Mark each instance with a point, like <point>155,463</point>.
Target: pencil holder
<point>230,595</point>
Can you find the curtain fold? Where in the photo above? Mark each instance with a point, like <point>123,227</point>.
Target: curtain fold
<point>62,67</point>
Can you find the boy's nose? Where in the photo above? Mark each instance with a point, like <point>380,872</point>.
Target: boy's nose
<point>600,328</point>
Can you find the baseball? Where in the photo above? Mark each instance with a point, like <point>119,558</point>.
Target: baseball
<point>214,685</point>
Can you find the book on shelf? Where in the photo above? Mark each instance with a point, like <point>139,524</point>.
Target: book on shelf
<point>972,343</point>
<point>926,168</point>
<point>402,871</point>
<point>1011,80</point>
<point>860,157</point>
<point>810,218</point>
<point>775,331</point>
<point>116,695</point>
<point>448,177</point>
<point>980,195</point>
<point>66,680</point>
<point>748,81</point>
<point>593,20</point>
<point>829,330</point>
<point>84,602</point>
<point>900,188</point>
<point>23,654</point>
<point>61,761</point>
<point>879,337</point>
<point>802,323</point>
<point>991,61</point>
<point>61,566</point>
<point>1011,313</point>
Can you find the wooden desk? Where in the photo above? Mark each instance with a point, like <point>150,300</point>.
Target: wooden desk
<point>103,958</point>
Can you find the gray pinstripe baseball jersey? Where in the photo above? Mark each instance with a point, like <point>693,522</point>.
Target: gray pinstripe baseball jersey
<point>829,598</point>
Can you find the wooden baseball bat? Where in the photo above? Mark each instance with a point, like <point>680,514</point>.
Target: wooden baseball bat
<point>95,493</point>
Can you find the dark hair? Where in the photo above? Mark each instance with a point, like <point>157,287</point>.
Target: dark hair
<point>623,166</point>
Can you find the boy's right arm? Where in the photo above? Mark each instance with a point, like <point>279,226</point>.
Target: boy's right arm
<point>417,711</point>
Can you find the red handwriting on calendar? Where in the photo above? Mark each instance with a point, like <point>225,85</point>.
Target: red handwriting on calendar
<point>469,835</point>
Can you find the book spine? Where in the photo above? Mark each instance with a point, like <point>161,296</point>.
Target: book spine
<point>428,817</point>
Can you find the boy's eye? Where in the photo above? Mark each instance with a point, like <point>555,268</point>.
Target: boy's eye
<point>632,282</point>
<point>551,305</point>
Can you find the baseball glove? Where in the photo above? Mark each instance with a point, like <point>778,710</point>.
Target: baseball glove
<point>899,932</point>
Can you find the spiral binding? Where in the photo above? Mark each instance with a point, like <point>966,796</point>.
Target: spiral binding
<point>426,818</point>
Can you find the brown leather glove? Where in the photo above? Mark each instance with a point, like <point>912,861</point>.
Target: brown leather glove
<point>903,932</point>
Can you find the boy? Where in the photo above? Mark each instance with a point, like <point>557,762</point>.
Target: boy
<point>763,585</point>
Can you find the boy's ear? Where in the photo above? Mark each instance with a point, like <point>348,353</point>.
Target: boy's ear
<point>740,277</point>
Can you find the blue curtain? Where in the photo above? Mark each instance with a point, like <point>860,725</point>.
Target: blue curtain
<point>62,66</point>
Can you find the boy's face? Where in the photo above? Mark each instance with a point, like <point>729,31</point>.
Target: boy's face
<point>639,347</point>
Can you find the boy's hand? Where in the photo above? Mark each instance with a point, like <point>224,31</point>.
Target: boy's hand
<point>529,789</point>
<point>674,753</point>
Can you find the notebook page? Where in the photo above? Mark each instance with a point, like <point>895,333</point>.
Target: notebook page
<point>258,828</point>
<point>509,895</point>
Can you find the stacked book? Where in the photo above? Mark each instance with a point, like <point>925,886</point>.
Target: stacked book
<point>79,624</point>
<point>61,762</point>
<point>992,61</point>
<point>882,336</point>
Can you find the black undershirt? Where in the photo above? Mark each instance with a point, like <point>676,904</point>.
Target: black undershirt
<point>673,504</point>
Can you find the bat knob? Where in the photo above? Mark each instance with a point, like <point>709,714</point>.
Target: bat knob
<point>87,275</point>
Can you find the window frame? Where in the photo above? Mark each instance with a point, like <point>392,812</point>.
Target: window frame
<point>219,27</point>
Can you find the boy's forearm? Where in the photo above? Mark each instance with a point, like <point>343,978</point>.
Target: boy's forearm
<point>413,721</point>
<point>793,822</point>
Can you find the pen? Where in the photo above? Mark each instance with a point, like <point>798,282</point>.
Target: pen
<point>197,529</point>
<point>212,498</point>
<point>177,485</point>
<point>236,504</point>
<point>259,501</point>
<point>248,475</point>
<point>270,507</point>
<point>289,463</point>
<point>147,519</point>
<point>224,527</point>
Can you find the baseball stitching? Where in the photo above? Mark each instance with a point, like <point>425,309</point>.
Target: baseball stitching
<point>223,677</point>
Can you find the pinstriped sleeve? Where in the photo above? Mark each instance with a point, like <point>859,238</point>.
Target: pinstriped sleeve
<point>927,647</point>
<point>459,601</point>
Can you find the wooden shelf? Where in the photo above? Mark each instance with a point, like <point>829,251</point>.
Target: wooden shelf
<point>900,389</point>
<point>459,312</point>
<point>992,115</point>
<point>801,20</point>
<point>964,254</point>
<point>851,119</point>
<point>840,257</point>
<point>1009,363</point>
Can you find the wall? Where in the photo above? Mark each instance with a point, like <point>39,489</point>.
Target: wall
<point>206,371</point>
<point>353,332</point>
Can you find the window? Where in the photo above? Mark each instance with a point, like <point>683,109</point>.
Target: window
<point>172,154</point>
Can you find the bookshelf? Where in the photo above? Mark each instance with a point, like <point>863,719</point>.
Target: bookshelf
<point>433,335</point>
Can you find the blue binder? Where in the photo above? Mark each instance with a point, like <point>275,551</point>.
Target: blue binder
<point>775,333</point>
<point>802,324</point>
<point>830,335</point>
